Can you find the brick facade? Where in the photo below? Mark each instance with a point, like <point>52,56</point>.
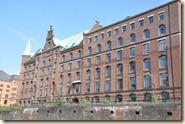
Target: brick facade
<point>164,44</point>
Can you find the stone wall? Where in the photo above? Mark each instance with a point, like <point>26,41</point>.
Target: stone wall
<point>164,111</point>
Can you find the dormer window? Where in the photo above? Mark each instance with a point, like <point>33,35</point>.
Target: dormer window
<point>49,45</point>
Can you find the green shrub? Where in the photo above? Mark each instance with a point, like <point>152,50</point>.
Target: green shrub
<point>86,102</point>
<point>15,107</point>
<point>106,101</point>
<point>154,98</point>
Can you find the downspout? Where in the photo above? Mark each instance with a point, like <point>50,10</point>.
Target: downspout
<point>171,53</point>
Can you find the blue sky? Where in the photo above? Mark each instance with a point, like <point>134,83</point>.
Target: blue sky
<point>21,20</point>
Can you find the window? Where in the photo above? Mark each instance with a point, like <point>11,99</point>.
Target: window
<point>61,79</point>
<point>147,64</point>
<point>146,48</point>
<point>68,89</point>
<point>162,29</point>
<point>5,102</point>
<point>161,16</point>
<point>163,61</point>
<point>44,63</point>
<point>62,68</point>
<point>40,92</point>
<point>108,57</point>
<point>98,60</point>
<point>78,75</point>
<point>109,33</point>
<point>132,51</point>
<point>99,48</point>
<point>120,69</point>
<point>42,81</point>
<point>8,86</point>
<point>146,34</point>
<point>141,23</point>
<point>109,45</point>
<point>90,40</point>
<point>165,96</point>
<point>102,35</point>
<point>132,97</point>
<point>124,28</point>
<point>60,91</point>
<point>96,38</point>
<point>54,74</point>
<point>87,87</point>
<point>71,56</point>
<point>147,97</point>
<point>119,84</point>
<point>63,58</point>
<point>6,96</point>
<point>78,64</point>
<point>164,80</point>
<point>70,67</point>
<point>132,38</point>
<point>150,19</point>
<point>42,74</point>
<point>56,56</point>
<point>108,85</point>
<point>162,45</point>
<point>116,31</point>
<point>119,55</point>
<point>89,62</point>
<point>96,99</point>
<point>132,25</point>
<point>108,69</point>
<point>49,62</point>
<point>120,41</point>
<point>132,67</point>
<point>89,51</point>
<point>14,89</point>
<point>46,91</point>
<point>133,83</point>
<point>55,65</point>
<point>98,86</point>
<point>98,73</point>
<point>76,88</point>
<point>88,74</point>
<point>69,77</point>
<point>147,80</point>
<point>79,53</point>
<point>119,98</point>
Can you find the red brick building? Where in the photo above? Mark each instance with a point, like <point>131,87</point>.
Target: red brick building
<point>125,61</point>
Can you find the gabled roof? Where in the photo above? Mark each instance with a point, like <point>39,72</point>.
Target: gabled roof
<point>4,76</point>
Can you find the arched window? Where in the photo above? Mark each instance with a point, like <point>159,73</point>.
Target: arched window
<point>69,77</point>
<point>98,73</point>
<point>89,51</point>
<point>61,79</point>
<point>147,64</point>
<point>163,61</point>
<point>147,97</point>
<point>109,45</point>
<point>108,70</point>
<point>119,98</point>
<point>88,74</point>
<point>132,97</point>
<point>164,96</point>
<point>78,75</point>
<point>132,38</point>
<point>99,48</point>
<point>146,34</point>
<point>147,80</point>
<point>96,98</point>
<point>79,53</point>
<point>120,41</point>
<point>132,67</point>
<point>162,29</point>
<point>107,97</point>
<point>120,69</point>
<point>63,58</point>
<point>71,56</point>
